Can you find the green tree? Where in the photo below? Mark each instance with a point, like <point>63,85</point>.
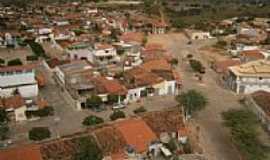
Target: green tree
<point>243,125</point>
<point>88,150</point>
<point>196,66</point>
<point>94,101</point>
<point>3,116</point>
<point>112,98</point>
<point>192,101</point>
<point>174,61</point>
<point>15,62</point>
<point>39,133</point>
<point>117,115</point>
<point>92,120</point>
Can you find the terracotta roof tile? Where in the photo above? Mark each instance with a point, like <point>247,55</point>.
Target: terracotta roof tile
<point>137,133</point>
<point>13,102</point>
<point>28,152</point>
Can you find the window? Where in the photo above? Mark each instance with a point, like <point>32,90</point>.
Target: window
<point>260,78</point>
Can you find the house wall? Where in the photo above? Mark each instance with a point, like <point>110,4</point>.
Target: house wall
<point>23,81</point>
<point>247,85</point>
<point>77,54</point>
<point>134,94</point>
<point>200,35</point>
<point>20,114</point>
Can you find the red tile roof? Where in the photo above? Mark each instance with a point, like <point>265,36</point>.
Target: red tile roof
<point>254,54</point>
<point>222,66</point>
<point>158,64</point>
<point>28,152</point>
<point>132,37</point>
<point>262,98</point>
<point>137,133</point>
<point>18,68</point>
<point>13,102</point>
<point>110,86</point>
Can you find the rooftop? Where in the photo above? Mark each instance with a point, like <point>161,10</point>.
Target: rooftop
<point>257,68</point>
<point>136,133</point>
<point>262,98</point>
<point>13,102</point>
<point>27,152</point>
<point>75,67</point>
<point>164,121</point>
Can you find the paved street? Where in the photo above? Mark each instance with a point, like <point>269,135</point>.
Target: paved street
<point>214,136</point>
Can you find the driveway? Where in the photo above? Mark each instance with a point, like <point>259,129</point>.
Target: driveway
<point>215,138</point>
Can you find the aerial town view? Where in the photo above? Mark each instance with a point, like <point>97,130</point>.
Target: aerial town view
<point>134,79</point>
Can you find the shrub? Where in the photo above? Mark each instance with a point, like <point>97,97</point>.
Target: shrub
<point>32,58</point>
<point>87,150</point>
<point>196,66</point>
<point>92,120</point>
<point>15,62</point>
<point>39,133</point>
<point>93,102</point>
<point>117,115</point>
<point>174,61</point>
<point>139,110</point>
<point>44,112</point>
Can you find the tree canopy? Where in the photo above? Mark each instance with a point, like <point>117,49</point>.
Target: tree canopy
<point>93,102</point>
<point>14,62</point>
<point>39,133</point>
<point>92,120</point>
<point>117,115</point>
<point>243,125</point>
<point>192,101</point>
<point>88,150</point>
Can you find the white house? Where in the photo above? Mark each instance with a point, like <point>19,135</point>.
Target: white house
<point>81,53</point>
<point>18,78</point>
<point>250,77</point>
<point>105,54</point>
<point>199,35</point>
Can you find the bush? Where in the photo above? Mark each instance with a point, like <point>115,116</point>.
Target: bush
<point>174,61</point>
<point>39,133</point>
<point>93,102</point>
<point>3,116</point>
<point>32,58</point>
<point>92,120</point>
<point>196,66</point>
<point>87,150</point>
<point>44,112</point>
<point>243,125</point>
<point>117,115</point>
<point>15,62</point>
<point>139,110</point>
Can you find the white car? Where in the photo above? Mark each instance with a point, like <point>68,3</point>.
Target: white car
<point>118,106</point>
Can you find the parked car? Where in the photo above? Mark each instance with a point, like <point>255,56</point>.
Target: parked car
<point>118,106</point>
